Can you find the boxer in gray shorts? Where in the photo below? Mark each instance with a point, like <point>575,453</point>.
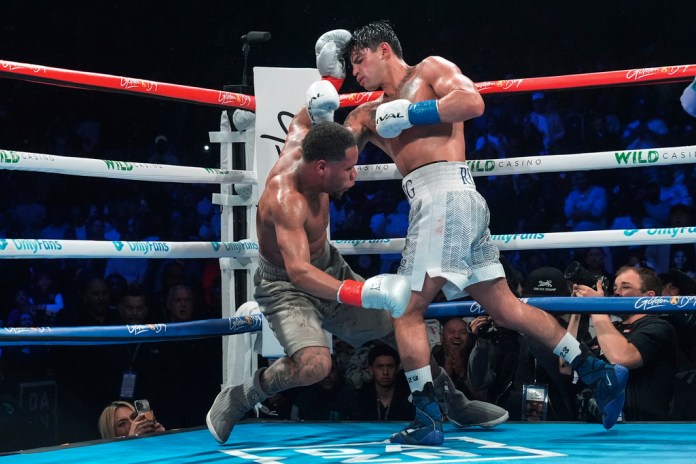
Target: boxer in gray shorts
<point>299,319</point>
<point>304,286</point>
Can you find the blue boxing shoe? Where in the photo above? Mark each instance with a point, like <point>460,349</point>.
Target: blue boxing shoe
<point>426,428</point>
<point>609,383</point>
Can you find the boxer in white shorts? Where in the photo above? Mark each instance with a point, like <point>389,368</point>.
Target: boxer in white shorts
<point>448,232</point>
<point>419,120</point>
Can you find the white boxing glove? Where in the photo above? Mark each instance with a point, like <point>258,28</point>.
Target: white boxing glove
<point>395,116</point>
<point>329,50</point>
<point>688,99</point>
<point>243,119</point>
<point>322,101</point>
<point>243,190</point>
<point>385,291</point>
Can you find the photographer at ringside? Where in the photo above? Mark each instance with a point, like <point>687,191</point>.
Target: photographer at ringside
<point>517,373</point>
<point>644,343</point>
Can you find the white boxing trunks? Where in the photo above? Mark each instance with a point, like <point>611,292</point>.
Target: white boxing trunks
<point>448,232</point>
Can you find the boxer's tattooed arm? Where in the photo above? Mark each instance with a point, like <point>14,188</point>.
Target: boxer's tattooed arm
<point>360,121</point>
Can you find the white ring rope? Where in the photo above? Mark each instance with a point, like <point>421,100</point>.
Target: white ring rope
<point>39,162</point>
<point>539,241</point>
<point>54,164</point>
<point>554,163</point>
<point>31,248</point>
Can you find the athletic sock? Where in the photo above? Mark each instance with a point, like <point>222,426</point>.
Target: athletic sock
<point>418,378</point>
<point>568,348</point>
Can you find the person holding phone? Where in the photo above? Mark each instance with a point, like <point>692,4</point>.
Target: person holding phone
<point>122,419</point>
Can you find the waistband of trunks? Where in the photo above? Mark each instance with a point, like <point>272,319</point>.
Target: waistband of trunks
<point>272,271</point>
<point>438,176</point>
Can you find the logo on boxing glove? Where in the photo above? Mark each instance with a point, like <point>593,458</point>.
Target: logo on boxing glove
<point>389,116</point>
<point>322,100</point>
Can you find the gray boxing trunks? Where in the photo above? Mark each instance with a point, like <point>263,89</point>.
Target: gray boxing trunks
<point>299,319</point>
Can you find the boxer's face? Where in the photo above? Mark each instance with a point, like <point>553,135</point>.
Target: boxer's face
<point>342,174</point>
<point>366,68</point>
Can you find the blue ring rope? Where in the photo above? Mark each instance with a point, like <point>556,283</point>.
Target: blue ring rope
<point>102,335</point>
<point>585,305</point>
<point>99,335</point>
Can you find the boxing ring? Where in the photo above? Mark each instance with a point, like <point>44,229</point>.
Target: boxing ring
<point>259,441</point>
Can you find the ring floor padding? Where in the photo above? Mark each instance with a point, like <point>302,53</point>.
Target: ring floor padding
<point>360,442</point>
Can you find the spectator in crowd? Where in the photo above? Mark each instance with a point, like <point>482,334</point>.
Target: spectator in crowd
<point>93,306</point>
<point>77,223</point>
<point>185,365</point>
<point>179,306</point>
<point>677,283</point>
<point>168,274</point>
<point>683,258</point>
<point>385,398</point>
<point>20,314</point>
<point>133,308</point>
<point>328,399</point>
<point>493,143</point>
<point>597,260</point>
<point>46,301</point>
<point>644,343</point>
<point>88,134</point>
<point>599,135</point>
<point>661,257</point>
<point>452,354</point>
<point>352,362</point>
<point>120,419</point>
<point>586,205</point>
<point>163,151</point>
<point>56,225</point>
<point>546,119</point>
<point>117,285</point>
<point>656,209</point>
<point>93,375</point>
<point>672,188</point>
<point>535,208</point>
<point>646,130</point>
<point>29,216</point>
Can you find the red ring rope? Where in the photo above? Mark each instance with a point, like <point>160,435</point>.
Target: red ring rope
<point>680,73</point>
<point>94,81</point>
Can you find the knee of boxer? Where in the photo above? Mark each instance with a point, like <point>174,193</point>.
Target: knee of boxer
<point>312,364</point>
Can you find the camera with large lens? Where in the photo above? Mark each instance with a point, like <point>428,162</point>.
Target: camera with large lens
<point>497,335</point>
<point>586,406</point>
<point>486,329</point>
<point>577,274</point>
